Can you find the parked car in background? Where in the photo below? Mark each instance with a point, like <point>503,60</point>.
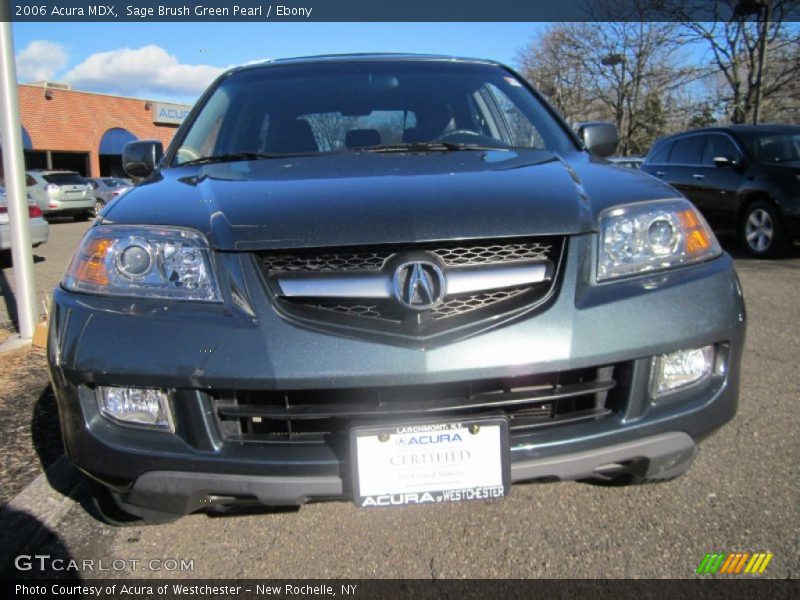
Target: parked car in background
<point>59,193</point>
<point>108,188</point>
<point>631,162</point>
<point>744,179</point>
<point>39,228</point>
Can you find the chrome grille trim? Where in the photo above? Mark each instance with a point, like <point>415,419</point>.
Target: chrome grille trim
<point>334,285</point>
<point>460,280</point>
<point>471,280</point>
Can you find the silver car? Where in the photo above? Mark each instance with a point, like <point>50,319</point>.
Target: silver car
<point>108,188</point>
<point>61,193</point>
<point>38,226</point>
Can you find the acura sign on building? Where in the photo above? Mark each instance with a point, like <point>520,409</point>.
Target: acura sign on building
<point>171,114</point>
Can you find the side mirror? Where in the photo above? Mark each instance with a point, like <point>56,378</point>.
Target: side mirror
<point>601,139</point>
<point>139,159</point>
<point>724,161</point>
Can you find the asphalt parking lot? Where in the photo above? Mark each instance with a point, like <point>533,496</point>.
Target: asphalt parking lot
<point>742,495</point>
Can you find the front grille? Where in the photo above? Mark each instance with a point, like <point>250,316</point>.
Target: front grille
<point>388,310</point>
<point>373,258</point>
<point>325,416</point>
<point>459,305</point>
<point>386,316</point>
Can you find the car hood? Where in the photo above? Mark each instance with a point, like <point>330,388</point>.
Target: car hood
<point>371,198</point>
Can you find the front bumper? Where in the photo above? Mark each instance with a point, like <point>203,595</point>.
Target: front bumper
<point>196,348</point>
<point>180,492</point>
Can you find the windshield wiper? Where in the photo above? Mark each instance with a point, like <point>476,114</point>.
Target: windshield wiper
<point>234,156</point>
<point>439,146</point>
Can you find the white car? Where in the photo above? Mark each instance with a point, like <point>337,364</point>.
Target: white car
<point>59,193</point>
<point>39,228</point>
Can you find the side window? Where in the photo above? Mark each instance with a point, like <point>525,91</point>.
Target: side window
<point>503,120</point>
<point>29,180</point>
<point>687,151</point>
<point>204,134</point>
<point>718,145</point>
<point>661,157</point>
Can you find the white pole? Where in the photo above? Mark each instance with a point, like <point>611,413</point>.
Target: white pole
<point>14,166</point>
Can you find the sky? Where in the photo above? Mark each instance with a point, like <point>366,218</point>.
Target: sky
<point>176,61</point>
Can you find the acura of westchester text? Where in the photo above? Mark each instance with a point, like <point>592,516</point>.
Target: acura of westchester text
<point>177,589</point>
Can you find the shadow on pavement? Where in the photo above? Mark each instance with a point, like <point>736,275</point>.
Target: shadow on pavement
<point>46,429</point>
<point>31,550</point>
<point>64,478</point>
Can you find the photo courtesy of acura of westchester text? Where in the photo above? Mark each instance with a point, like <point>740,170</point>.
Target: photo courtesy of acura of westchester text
<point>316,298</point>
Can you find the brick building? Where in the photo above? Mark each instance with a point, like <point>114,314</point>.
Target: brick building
<point>84,131</point>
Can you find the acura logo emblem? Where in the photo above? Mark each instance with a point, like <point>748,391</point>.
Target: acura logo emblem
<point>419,285</point>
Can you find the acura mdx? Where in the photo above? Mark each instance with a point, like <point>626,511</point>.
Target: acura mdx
<point>392,279</point>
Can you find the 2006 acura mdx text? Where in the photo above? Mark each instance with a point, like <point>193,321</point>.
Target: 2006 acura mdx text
<point>395,279</point>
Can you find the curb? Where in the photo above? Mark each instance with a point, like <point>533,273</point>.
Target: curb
<point>15,342</point>
<point>34,513</point>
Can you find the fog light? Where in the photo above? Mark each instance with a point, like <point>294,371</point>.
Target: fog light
<point>677,370</point>
<point>140,407</point>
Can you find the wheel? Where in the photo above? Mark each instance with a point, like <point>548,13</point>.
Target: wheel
<point>98,206</point>
<point>761,231</point>
<point>107,507</point>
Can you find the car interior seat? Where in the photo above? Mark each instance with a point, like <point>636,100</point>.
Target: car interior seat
<point>362,138</point>
<point>291,136</point>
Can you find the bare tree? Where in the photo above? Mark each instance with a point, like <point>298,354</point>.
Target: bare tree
<point>620,71</point>
<point>736,32</point>
<point>330,129</point>
<point>552,62</point>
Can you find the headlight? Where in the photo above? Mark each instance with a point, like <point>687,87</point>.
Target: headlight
<point>142,407</point>
<point>651,236</point>
<point>147,262</point>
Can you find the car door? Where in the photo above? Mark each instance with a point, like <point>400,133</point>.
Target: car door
<point>684,159</point>
<point>657,161</point>
<point>717,185</point>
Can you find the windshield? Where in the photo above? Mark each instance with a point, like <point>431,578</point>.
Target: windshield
<point>361,105</point>
<point>775,147</point>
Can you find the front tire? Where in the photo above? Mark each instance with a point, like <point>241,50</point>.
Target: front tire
<point>761,231</point>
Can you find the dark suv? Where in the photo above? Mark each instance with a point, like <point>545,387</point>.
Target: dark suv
<point>744,179</point>
<point>395,279</point>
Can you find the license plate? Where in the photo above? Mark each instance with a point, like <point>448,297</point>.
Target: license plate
<point>430,462</point>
